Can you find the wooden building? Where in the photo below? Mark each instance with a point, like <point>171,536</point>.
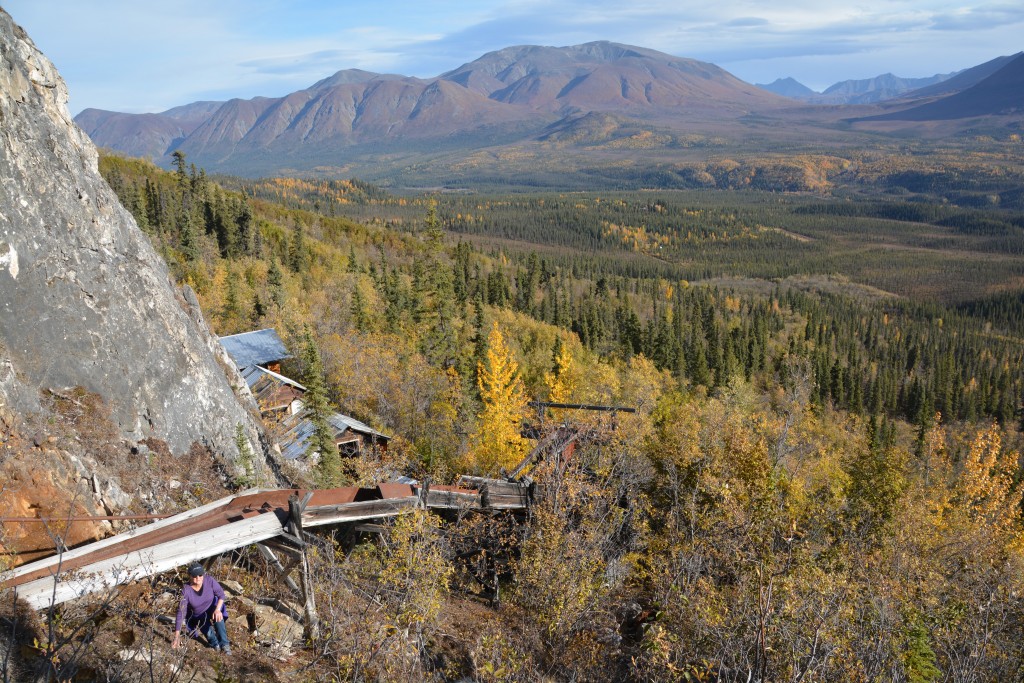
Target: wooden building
<point>262,348</point>
<point>257,356</point>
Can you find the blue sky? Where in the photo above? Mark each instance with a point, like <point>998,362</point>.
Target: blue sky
<point>127,55</point>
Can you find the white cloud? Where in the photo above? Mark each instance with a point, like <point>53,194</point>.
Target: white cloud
<point>131,56</point>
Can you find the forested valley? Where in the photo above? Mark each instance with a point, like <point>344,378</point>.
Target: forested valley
<point>822,478</point>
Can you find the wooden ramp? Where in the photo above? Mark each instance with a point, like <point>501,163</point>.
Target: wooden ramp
<point>253,516</point>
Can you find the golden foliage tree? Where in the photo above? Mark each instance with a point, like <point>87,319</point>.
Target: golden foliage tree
<point>497,443</point>
<point>987,483</point>
<point>561,382</point>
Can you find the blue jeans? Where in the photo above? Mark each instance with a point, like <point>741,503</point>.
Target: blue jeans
<point>216,632</point>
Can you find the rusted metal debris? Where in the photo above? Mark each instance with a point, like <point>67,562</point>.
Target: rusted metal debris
<point>254,516</point>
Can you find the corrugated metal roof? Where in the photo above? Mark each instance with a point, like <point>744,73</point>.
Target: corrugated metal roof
<point>255,348</point>
<point>272,391</point>
<point>250,349</point>
<point>253,374</point>
<point>295,440</point>
<point>343,422</point>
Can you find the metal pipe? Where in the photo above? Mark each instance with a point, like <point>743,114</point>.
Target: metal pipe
<point>581,406</point>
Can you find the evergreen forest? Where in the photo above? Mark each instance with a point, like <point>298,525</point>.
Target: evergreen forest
<point>821,480</point>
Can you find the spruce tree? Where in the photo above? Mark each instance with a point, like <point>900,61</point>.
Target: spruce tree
<point>297,251</point>
<point>246,235</point>
<point>353,265</point>
<point>188,239</point>
<point>179,164</point>
<point>246,459</point>
<point>318,411</point>
<point>275,280</point>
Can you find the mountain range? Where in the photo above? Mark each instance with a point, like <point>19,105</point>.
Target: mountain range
<point>862,91</point>
<point>596,103</point>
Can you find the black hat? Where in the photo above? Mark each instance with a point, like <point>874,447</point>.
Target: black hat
<point>195,570</point>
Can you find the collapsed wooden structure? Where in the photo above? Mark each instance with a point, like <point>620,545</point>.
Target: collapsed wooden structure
<point>273,519</point>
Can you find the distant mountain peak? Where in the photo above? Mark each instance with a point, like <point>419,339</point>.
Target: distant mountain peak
<point>350,76</point>
<point>599,96</point>
<point>879,88</point>
<point>787,87</point>
<point>1000,93</point>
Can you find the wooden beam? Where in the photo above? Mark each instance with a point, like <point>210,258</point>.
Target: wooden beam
<point>270,557</point>
<point>292,540</point>
<point>311,625</point>
<point>287,548</point>
<point>106,574</point>
<point>353,512</point>
<point>447,500</point>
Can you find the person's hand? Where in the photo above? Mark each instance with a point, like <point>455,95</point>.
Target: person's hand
<point>176,643</point>
<point>218,615</point>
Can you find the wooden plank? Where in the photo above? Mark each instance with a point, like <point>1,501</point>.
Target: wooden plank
<point>451,499</point>
<point>122,569</point>
<point>494,485</point>
<point>351,512</point>
<point>522,494</point>
<point>503,489</point>
<point>541,446</point>
<point>294,541</point>
<point>507,501</point>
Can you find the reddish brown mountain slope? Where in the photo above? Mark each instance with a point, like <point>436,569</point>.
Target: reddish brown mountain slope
<point>605,76</point>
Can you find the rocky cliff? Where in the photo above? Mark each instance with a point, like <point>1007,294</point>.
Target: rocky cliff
<point>84,299</point>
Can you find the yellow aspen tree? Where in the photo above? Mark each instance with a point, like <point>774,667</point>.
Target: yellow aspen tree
<point>987,484</point>
<point>497,443</point>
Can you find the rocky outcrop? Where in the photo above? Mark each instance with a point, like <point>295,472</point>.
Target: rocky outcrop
<point>84,299</point>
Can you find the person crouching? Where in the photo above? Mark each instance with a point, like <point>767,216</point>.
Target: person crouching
<point>202,610</point>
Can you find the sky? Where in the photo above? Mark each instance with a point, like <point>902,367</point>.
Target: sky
<point>132,56</point>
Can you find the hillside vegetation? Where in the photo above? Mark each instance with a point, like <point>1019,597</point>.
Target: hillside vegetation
<point>821,481</point>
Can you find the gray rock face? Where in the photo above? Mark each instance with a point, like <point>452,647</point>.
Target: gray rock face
<point>84,298</point>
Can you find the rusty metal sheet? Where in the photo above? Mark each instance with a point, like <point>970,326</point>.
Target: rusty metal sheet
<point>393,490</point>
<point>339,496</point>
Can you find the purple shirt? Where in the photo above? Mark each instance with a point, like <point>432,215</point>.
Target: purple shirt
<point>203,602</point>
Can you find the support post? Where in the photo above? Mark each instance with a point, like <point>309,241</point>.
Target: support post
<point>311,627</point>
